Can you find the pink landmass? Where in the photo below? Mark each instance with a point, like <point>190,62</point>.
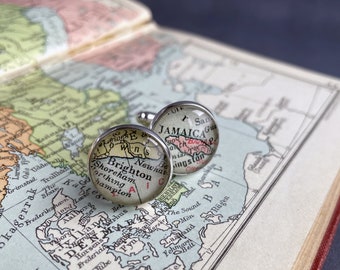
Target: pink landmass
<point>189,146</point>
<point>83,20</point>
<point>138,54</point>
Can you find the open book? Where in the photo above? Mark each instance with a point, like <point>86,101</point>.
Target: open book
<point>71,69</point>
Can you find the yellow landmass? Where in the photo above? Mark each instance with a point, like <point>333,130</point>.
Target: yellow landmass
<point>21,41</point>
<point>14,137</point>
<point>64,121</point>
<point>128,143</point>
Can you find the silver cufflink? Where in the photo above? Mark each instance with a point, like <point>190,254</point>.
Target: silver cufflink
<point>132,164</point>
<point>190,131</point>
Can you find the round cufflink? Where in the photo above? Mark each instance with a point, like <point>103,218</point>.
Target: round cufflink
<point>130,164</point>
<point>190,132</point>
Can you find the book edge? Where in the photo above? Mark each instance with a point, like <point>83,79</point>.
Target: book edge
<point>315,248</point>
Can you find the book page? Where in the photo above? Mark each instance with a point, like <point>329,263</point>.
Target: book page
<point>270,116</point>
<point>286,230</point>
<point>33,31</point>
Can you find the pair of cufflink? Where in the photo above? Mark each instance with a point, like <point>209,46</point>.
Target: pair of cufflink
<point>132,164</point>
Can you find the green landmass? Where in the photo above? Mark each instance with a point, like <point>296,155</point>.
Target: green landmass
<point>21,41</point>
<point>172,193</point>
<point>62,118</point>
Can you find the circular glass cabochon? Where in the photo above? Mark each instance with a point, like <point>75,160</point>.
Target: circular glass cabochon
<point>190,132</point>
<point>129,164</point>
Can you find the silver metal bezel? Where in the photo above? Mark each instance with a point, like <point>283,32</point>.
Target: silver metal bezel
<point>151,133</point>
<point>183,103</point>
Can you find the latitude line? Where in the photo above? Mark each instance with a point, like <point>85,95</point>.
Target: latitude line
<point>230,180</point>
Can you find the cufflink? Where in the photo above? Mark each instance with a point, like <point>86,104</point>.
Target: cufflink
<point>130,164</point>
<point>190,132</point>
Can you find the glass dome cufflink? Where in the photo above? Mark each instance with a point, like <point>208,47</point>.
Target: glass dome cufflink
<point>129,164</point>
<point>132,164</point>
<point>189,130</point>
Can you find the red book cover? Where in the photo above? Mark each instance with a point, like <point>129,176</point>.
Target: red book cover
<point>327,240</point>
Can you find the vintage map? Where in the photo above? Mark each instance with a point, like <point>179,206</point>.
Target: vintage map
<point>53,216</point>
<point>35,30</point>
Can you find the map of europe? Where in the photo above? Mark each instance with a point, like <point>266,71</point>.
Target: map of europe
<point>51,115</point>
<point>33,31</point>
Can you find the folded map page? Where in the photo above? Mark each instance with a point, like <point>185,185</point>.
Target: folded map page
<point>40,30</point>
<point>251,207</point>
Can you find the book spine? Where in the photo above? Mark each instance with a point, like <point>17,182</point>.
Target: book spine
<point>327,240</point>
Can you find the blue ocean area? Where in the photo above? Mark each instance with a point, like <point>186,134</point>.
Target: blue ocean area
<point>214,199</point>
<point>53,27</point>
<point>222,199</point>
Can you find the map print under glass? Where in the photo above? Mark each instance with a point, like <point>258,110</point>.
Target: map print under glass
<point>191,134</point>
<point>51,116</point>
<point>129,165</point>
